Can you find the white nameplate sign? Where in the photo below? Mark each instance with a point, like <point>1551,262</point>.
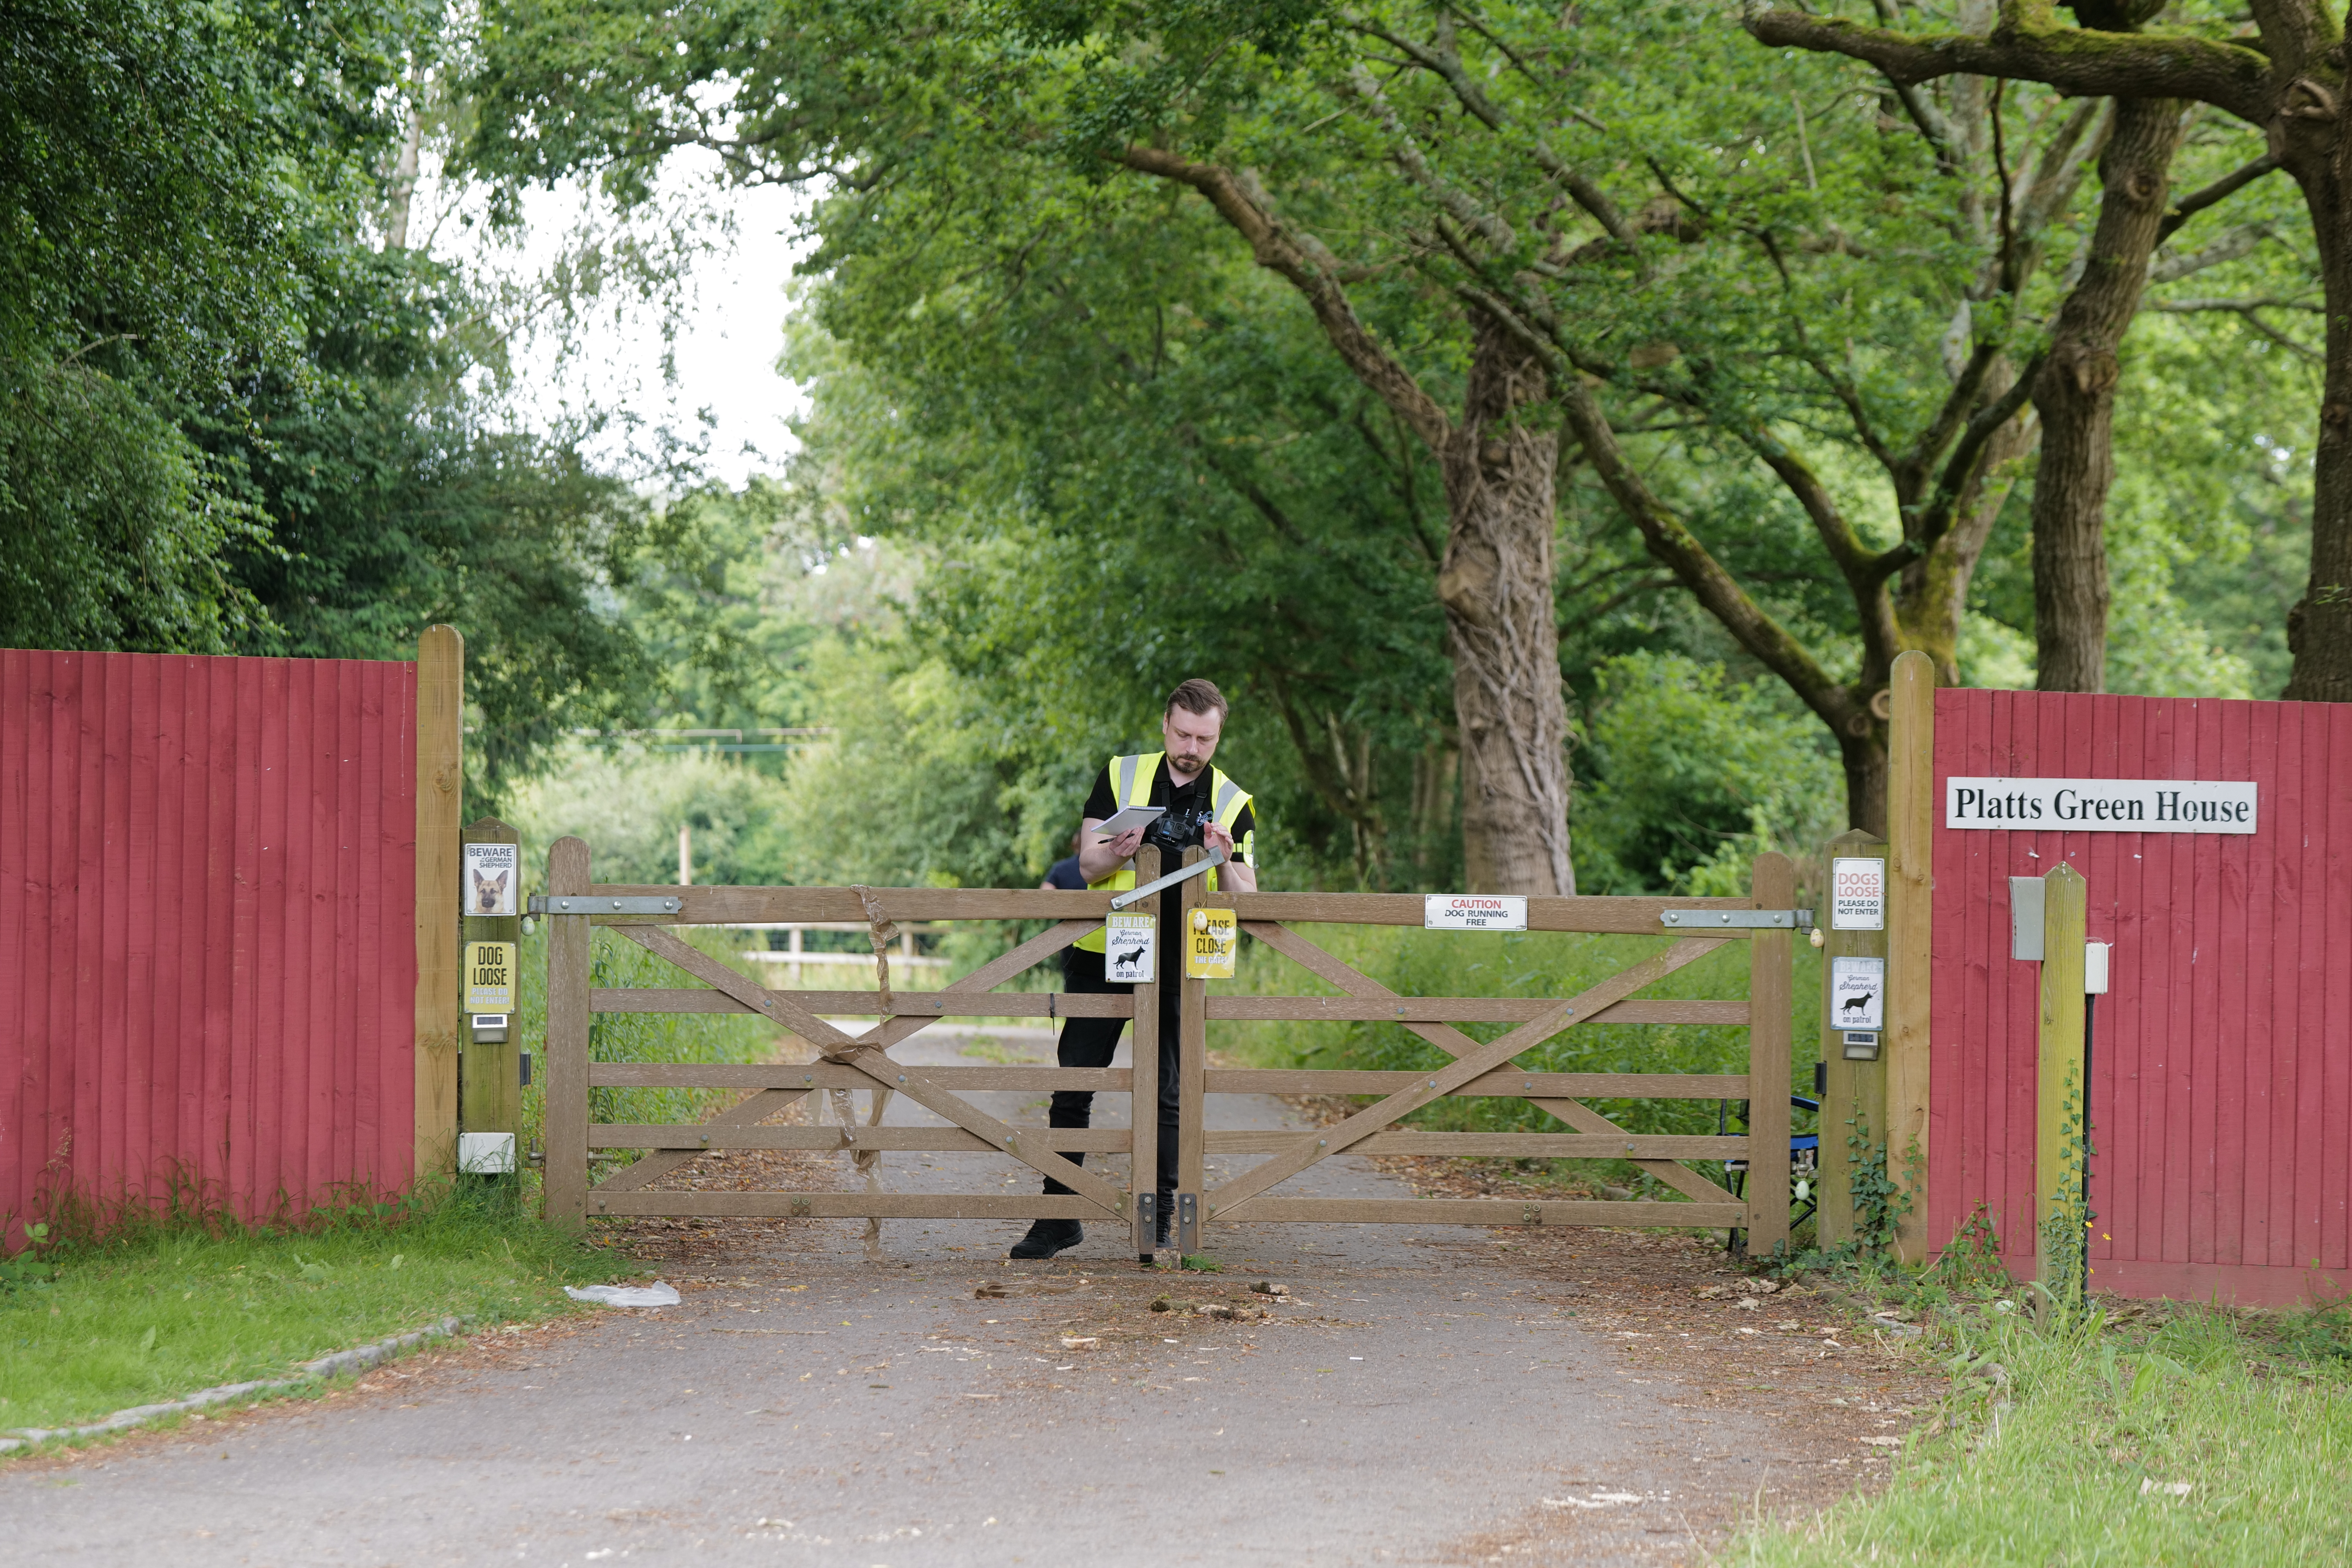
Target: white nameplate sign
<point>1474,911</point>
<point>2100,806</point>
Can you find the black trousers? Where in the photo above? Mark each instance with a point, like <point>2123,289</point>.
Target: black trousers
<point>1090,1043</point>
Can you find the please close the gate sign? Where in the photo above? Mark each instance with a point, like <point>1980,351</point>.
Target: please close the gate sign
<point>2101,805</point>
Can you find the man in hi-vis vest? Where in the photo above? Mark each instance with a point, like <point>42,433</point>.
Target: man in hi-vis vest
<point>1204,808</point>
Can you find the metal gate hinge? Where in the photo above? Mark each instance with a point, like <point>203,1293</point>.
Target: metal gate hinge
<point>1739,919</point>
<point>542,904</point>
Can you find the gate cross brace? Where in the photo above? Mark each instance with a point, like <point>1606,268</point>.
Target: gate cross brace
<point>1454,1043</point>
<point>867,1054</point>
<point>759,1107</point>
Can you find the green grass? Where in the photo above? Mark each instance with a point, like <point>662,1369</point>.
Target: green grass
<point>2061,1445</point>
<point>159,1313</point>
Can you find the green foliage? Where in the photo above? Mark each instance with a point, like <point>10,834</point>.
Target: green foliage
<point>164,163</point>
<point>2197,1442</point>
<point>1689,777</point>
<point>171,172</point>
<point>1879,1201</point>
<point>2064,1232</point>
<point>113,525</point>
<point>233,419</point>
<point>628,804</point>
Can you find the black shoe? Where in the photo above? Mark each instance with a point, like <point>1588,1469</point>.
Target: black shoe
<point>1048,1237</point>
<point>1167,1219</point>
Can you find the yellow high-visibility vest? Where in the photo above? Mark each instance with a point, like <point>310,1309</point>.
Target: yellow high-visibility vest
<point>1130,784</point>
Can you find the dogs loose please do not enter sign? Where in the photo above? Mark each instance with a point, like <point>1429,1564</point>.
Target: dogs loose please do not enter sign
<point>1857,893</point>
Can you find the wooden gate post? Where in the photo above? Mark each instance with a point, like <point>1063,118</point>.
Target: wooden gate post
<point>440,799</point>
<point>566,1185</point>
<point>1143,1065</point>
<point>2065,900</point>
<point>1773,886</point>
<point>489,1091</point>
<point>1192,1065</point>
<point>1853,1091</point>
<point>1910,937</point>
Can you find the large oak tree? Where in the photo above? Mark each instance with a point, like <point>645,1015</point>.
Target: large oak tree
<point>2287,82</point>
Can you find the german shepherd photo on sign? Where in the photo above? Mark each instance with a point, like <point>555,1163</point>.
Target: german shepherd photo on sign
<point>489,885</point>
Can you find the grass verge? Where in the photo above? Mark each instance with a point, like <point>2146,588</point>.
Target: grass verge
<point>2131,1433</point>
<point>159,1312</point>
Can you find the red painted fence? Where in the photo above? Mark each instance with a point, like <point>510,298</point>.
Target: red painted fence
<point>2222,1075</point>
<point>207,961</point>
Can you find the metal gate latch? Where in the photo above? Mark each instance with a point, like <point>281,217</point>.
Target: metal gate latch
<point>1739,919</point>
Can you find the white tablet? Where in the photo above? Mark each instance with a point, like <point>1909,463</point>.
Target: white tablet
<point>1125,818</point>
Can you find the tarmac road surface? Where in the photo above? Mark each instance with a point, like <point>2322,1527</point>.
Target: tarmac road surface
<point>1420,1397</point>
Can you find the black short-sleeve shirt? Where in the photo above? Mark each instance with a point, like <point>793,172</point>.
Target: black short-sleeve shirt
<point>1189,807</point>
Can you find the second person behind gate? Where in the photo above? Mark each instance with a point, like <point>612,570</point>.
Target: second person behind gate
<point>1205,809</point>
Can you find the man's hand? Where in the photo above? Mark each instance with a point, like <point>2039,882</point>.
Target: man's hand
<point>1241,879</point>
<point>1098,857</point>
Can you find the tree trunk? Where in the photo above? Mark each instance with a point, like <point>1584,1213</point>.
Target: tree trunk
<point>1495,584</point>
<point>2076,395</point>
<point>1865,759</point>
<point>2319,628</point>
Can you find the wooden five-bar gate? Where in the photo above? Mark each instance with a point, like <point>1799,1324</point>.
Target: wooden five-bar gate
<point>1689,929</point>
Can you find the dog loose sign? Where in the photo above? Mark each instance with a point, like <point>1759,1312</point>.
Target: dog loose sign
<point>489,977</point>
<point>1857,992</point>
<point>488,884</point>
<point>1857,893</point>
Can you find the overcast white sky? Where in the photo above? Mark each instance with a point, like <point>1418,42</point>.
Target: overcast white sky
<point>732,314</point>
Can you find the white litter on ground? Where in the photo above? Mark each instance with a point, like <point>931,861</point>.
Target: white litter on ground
<point>660,1293</point>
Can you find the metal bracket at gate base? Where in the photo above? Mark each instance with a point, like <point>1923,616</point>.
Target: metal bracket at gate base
<point>1136,895</point>
<point>1147,1223</point>
<point>1188,1222</point>
<point>542,904</point>
<point>1739,920</point>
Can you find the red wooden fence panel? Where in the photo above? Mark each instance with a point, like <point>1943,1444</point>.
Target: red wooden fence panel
<point>2222,1077</point>
<point>207,960</point>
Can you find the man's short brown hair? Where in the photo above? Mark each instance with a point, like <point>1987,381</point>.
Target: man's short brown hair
<point>1196,696</point>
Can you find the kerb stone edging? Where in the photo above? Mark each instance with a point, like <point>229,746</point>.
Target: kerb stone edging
<point>335,1366</point>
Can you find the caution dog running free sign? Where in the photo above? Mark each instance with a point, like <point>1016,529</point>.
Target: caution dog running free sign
<point>2101,805</point>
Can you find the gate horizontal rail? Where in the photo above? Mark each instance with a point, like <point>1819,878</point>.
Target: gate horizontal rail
<point>1479,1068</point>
<point>731,906</point>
